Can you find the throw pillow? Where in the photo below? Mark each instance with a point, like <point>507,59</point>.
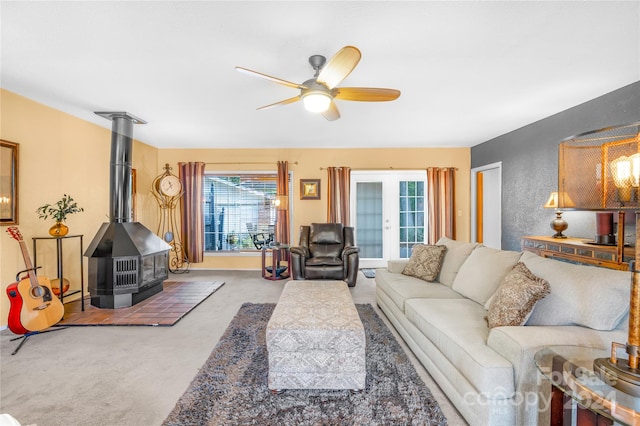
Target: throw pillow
<point>425,262</point>
<point>514,300</point>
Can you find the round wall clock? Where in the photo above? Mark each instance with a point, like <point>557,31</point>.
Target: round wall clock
<point>169,185</point>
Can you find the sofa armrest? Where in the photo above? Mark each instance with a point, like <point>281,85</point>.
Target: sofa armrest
<point>297,261</point>
<point>348,250</point>
<point>351,262</point>
<point>519,344</point>
<point>396,266</point>
<point>300,251</point>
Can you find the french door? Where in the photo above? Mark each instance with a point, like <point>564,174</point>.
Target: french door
<point>388,212</point>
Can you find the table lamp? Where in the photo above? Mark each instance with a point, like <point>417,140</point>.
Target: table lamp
<point>600,170</point>
<point>558,224</point>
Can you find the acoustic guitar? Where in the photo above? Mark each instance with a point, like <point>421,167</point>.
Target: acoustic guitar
<point>33,305</point>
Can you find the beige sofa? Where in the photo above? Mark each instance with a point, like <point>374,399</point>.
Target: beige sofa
<point>489,374</point>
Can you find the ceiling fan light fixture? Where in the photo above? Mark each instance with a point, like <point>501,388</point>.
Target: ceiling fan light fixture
<point>318,93</point>
<point>316,101</point>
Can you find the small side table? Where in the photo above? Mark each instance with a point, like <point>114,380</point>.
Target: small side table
<point>578,393</point>
<point>275,270</point>
<point>60,263</point>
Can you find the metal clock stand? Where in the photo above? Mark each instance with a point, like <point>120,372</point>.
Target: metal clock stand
<point>167,190</point>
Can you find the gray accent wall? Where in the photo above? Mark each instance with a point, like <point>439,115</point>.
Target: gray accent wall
<point>529,157</point>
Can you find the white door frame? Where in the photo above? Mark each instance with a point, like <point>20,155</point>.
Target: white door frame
<point>497,216</point>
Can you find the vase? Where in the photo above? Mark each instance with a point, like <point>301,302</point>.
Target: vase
<point>55,286</point>
<point>59,229</point>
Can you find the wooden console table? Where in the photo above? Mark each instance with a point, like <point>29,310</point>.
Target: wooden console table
<point>579,250</point>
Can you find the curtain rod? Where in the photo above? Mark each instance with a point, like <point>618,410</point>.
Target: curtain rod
<point>390,168</point>
<point>246,162</point>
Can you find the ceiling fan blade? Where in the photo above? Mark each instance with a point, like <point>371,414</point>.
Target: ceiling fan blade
<point>332,113</point>
<point>270,78</point>
<point>365,94</point>
<point>339,66</point>
<point>285,102</point>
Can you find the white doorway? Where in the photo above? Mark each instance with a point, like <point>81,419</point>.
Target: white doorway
<point>486,205</point>
<point>388,212</point>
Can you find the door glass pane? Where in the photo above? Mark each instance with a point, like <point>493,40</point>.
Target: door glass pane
<point>369,219</point>
<point>411,216</point>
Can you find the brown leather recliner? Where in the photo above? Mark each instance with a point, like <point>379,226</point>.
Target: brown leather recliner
<point>326,251</point>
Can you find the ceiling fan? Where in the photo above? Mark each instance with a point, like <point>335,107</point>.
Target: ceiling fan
<point>318,93</point>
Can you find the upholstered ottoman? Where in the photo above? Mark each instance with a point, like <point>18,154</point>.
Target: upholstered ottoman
<point>315,339</point>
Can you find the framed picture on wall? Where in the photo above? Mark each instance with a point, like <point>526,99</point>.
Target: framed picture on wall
<point>8,183</point>
<point>309,189</point>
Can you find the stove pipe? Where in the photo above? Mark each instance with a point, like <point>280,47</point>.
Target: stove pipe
<point>120,170</point>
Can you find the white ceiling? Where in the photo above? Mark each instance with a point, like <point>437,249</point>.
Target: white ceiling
<point>468,71</point>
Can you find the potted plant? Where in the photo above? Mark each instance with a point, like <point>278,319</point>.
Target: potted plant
<point>59,211</point>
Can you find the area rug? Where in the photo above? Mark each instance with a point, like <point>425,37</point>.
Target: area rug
<point>368,272</point>
<point>166,308</point>
<point>231,387</point>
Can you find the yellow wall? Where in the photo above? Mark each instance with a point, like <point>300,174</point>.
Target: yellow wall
<point>309,164</point>
<point>61,154</point>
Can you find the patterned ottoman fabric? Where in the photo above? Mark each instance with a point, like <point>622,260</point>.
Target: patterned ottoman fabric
<point>315,339</point>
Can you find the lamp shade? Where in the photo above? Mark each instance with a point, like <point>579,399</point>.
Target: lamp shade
<point>552,202</point>
<point>600,170</point>
<point>281,202</point>
<point>559,199</point>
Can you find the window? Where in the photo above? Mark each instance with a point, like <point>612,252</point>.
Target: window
<point>411,212</point>
<point>239,213</point>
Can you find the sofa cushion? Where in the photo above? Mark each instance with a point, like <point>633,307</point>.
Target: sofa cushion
<point>590,296</point>
<point>482,273</point>
<point>516,296</point>
<point>400,288</point>
<point>425,262</point>
<point>457,253</point>
<point>458,329</point>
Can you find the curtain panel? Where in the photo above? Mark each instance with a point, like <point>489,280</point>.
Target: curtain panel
<point>338,193</point>
<point>441,193</point>
<point>192,224</point>
<point>282,213</point>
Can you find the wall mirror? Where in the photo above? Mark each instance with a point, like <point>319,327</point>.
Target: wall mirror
<point>8,183</point>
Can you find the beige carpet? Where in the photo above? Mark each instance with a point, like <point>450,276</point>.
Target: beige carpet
<point>121,376</point>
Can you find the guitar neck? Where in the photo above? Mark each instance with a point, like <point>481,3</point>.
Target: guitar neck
<point>33,279</point>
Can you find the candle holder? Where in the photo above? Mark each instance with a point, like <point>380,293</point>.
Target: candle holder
<point>604,229</point>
